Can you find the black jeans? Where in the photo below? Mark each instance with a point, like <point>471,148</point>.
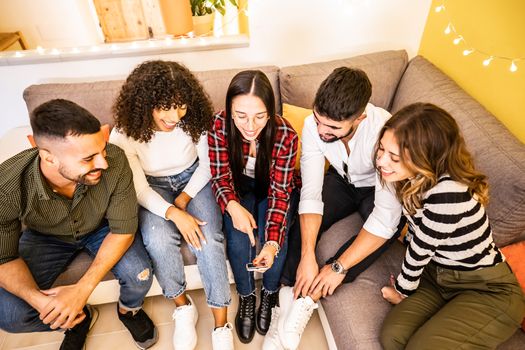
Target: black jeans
<point>340,199</point>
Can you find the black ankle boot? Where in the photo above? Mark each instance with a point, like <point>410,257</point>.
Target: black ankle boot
<point>264,314</point>
<point>245,319</point>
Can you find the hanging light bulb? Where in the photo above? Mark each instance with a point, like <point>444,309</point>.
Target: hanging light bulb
<point>448,29</point>
<point>487,61</point>
<point>458,40</point>
<point>467,52</point>
<point>513,67</point>
<point>440,8</point>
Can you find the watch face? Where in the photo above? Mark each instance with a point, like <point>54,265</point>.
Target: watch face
<point>336,267</point>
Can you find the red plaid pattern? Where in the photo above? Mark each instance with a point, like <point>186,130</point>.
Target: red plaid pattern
<point>283,177</point>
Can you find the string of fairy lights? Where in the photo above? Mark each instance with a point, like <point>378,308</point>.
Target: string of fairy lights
<point>487,57</point>
<point>167,41</point>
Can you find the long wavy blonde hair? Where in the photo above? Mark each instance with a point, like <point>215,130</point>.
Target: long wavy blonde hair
<point>431,145</point>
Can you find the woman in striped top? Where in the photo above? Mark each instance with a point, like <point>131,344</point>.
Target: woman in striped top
<point>455,289</point>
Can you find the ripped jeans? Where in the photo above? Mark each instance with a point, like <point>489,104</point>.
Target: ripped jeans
<point>48,256</point>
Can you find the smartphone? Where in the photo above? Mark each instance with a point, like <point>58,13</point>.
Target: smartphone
<point>252,267</point>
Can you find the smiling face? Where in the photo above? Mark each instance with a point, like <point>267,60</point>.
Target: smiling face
<point>167,120</point>
<point>388,161</point>
<point>80,159</point>
<point>330,130</point>
<point>249,115</point>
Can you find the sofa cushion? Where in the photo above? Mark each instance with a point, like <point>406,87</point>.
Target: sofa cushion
<point>296,115</point>
<point>216,82</point>
<point>384,69</point>
<point>356,310</point>
<point>514,254</point>
<point>497,153</point>
<point>97,97</point>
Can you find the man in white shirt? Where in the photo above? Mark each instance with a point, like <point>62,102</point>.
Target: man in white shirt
<point>343,129</point>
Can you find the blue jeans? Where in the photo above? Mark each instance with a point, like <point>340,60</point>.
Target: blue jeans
<point>240,251</point>
<point>48,256</point>
<point>163,241</point>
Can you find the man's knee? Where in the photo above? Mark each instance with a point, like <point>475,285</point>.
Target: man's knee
<point>16,316</point>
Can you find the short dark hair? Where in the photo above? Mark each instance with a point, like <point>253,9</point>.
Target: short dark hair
<point>343,94</point>
<point>61,118</point>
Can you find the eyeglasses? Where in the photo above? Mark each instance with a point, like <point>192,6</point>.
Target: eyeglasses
<point>260,118</point>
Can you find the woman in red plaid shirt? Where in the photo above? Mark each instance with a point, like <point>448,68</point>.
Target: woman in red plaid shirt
<point>252,159</point>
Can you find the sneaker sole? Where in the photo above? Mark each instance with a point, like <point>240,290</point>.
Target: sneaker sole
<point>149,343</point>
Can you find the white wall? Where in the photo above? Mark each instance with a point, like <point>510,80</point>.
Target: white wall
<point>283,32</point>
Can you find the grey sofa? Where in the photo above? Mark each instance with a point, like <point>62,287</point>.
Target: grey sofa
<point>353,315</point>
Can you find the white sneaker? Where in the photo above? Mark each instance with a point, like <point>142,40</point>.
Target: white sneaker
<point>295,317</point>
<point>272,340</point>
<point>185,335</point>
<point>222,338</point>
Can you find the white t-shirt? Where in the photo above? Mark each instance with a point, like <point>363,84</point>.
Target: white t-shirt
<point>387,211</point>
<point>249,169</point>
<point>166,154</point>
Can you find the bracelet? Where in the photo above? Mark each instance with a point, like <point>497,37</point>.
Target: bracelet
<point>273,244</point>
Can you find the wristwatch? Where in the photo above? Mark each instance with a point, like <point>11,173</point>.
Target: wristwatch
<point>337,267</point>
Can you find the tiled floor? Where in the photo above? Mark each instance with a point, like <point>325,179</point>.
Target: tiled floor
<point>109,333</point>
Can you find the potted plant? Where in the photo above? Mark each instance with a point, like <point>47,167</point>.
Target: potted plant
<point>203,14</point>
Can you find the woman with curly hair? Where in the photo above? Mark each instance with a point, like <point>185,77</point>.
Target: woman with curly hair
<point>253,153</point>
<point>455,289</point>
<point>162,116</point>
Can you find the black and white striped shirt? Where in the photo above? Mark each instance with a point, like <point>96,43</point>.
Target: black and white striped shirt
<point>451,229</point>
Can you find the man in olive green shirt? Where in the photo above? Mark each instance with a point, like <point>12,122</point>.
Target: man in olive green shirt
<point>73,192</point>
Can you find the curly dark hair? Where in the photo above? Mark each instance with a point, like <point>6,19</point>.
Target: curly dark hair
<point>161,85</point>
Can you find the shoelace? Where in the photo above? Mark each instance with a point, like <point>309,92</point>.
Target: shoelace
<point>182,312</point>
<point>273,323</point>
<point>247,306</point>
<point>269,300</point>
<point>298,324</point>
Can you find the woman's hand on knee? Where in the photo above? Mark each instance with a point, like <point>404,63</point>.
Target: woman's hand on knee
<point>391,294</point>
<point>188,225</point>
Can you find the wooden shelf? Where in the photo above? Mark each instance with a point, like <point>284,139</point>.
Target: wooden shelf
<point>8,39</point>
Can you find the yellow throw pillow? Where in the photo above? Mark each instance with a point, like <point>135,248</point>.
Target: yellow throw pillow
<point>296,115</point>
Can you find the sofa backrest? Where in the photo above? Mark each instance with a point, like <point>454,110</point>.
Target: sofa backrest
<point>497,153</point>
<point>384,69</point>
<point>98,97</point>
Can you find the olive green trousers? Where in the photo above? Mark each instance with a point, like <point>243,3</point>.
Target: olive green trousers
<point>456,310</point>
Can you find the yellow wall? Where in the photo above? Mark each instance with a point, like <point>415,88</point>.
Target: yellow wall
<point>496,27</point>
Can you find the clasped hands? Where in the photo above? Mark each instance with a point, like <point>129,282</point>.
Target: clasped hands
<point>314,282</point>
<point>61,307</point>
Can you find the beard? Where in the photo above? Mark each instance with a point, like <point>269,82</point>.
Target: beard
<point>81,179</point>
<point>334,138</point>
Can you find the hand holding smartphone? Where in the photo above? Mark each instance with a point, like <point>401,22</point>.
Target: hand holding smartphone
<point>258,268</point>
